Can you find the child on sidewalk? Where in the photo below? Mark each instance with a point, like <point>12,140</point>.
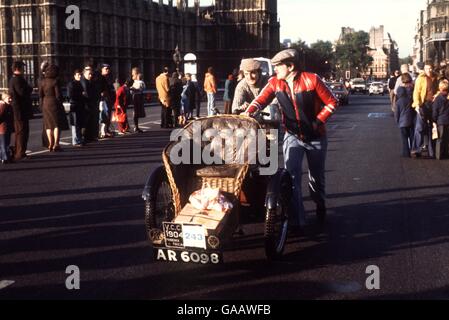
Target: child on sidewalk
<point>440,115</point>
<point>6,127</point>
<point>405,115</point>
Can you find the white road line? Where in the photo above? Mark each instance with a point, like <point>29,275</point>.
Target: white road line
<point>65,143</point>
<point>38,152</point>
<point>5,283</point>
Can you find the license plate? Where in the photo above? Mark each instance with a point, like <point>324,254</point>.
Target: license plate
<point>180,236</point>
<point>187,256</point>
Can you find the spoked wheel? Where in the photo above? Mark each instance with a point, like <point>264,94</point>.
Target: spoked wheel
<point>159,206</point>
<point>276,219</point>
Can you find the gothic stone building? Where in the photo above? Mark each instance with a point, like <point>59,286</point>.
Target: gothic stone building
<point>135,33</point>
<point>432,33</point>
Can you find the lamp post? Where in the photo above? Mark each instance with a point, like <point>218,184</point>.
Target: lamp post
<point>177,58</point>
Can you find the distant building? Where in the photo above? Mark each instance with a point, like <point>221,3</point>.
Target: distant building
<point>344,31</point>
<point>134,33</point>
<point>384,51</point>
<point>432,33</point>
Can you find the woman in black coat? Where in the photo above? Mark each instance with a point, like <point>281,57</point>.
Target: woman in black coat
<point>52,109</point>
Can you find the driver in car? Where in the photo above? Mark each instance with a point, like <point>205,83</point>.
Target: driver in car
<point>306,104</point>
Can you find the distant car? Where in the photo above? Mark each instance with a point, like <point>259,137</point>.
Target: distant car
<point>377,88</point>
<point>358,85</point>
<point>266,66</point>
<point>340,92</point>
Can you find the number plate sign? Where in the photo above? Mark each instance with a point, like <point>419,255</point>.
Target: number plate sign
<point>194,236</point>
<point>182,236</point>
<point>173,235</point>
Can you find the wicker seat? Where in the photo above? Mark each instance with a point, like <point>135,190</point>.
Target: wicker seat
<point>228,175</point>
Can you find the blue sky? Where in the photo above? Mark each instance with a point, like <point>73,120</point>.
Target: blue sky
<point>312,20</point>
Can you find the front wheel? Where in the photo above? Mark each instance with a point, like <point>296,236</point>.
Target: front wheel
<point>279,194</point>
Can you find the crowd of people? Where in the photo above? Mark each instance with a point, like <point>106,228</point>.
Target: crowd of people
<point>421,108</point>
<point>95,102</point>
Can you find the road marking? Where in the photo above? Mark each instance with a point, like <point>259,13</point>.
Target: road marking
<point>378,115</point>
<point>65,143</point>
<point>5,283</point>
<point>144,127</point>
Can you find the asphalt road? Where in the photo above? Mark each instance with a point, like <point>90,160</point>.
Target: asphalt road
<point>82,207</point>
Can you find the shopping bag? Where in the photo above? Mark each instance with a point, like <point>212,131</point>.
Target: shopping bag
<point>118,116</point>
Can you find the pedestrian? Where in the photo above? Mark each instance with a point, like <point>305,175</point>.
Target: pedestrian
<point>391,85</point>
<point>425,89</point>
<point>137,92</point>
<point>107,99</point>
<point>210,87</point>
<point>404,69</point>
<point>91,105</point>
<point>306,104</point>
<point>198,95</point>
<point>77,110</point>
<point>163,91</point>
<point>20,92</point>
<point>188,98</point>
<point>175,98</point>
<point>54,118</point>
<point>251,85</point>
<point>405,114</point>
<point>440,115</point>
<point>121,106</point>
<point>6,127</point>
<point>229,94</point>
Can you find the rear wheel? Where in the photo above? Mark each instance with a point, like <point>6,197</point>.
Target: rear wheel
<point>159,206</point>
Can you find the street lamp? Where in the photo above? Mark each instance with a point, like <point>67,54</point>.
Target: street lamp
<point>177,58</point>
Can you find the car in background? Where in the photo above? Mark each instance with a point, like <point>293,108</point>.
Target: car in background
<point>376,88</point>
<point>340,92</point>
<point>266,66</point>
<point>358,85</point>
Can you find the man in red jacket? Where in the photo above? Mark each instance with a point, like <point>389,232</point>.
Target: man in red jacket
<point>306,105</point>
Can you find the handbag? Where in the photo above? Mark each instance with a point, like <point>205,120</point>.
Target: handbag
<point>118,116</point>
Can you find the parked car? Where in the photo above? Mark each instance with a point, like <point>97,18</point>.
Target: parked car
<point>340,92</point>
<point>267,67</point>
<point>358,85</point>
<point>377,88</point>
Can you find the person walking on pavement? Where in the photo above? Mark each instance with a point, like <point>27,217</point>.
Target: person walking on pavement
<point>163,92</point>
<point>54,118</point>
<point>20,92</point>
<point>138,100</point>
<point>77,110</point>
<point>391,84</point>
<point>198,95</point>
<point>405,114</point>
<point>6,127</point>
<point>121,106</point>
<point>423,95</point>
<point>107,99</point>
<point>440,115</point>
<point>210,87</point>
<point>175,98</point>
<point>228,96</point>
<point>91,105</point>
<point>306,104</point>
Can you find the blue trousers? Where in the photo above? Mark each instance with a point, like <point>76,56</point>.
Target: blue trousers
<point>315,152</point>
<point>4,146</point>
<point>422,135</point>
<point>211,111</point>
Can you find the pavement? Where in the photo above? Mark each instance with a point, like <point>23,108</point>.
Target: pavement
<point>82,207</point>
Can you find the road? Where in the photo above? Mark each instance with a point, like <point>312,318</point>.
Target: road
<point>82,207</point>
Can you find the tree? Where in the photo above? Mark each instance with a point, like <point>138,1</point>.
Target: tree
<point>352,52</point>
<point>407,60</point>
<point>317,58</point>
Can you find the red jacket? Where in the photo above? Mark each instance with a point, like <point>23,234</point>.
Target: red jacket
<point>310,95</point>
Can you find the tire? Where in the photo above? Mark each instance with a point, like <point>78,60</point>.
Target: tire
<point>276,219</point>
<point>159,206</point>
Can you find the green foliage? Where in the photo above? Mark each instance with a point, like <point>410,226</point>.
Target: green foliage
<point>352,52</point>
<point>317,57</point>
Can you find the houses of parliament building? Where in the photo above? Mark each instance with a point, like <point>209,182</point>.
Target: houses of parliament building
<point>134,33</point>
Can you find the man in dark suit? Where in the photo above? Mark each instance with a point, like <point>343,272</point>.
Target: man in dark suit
<point>20,92</point>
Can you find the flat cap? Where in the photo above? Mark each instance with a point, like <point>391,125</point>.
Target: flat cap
<point>250,65</point>
<point>420,65</point>
<point>285,55</point>
<point>105,65</point>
